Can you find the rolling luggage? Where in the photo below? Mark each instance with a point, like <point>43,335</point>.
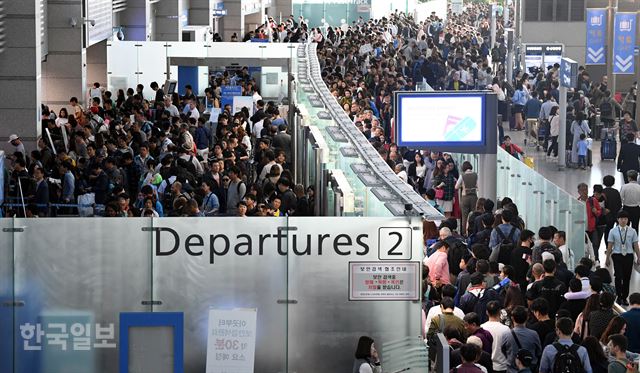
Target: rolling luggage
<point>607,133</point>
<point>608,149</point>
<point>567,159</point>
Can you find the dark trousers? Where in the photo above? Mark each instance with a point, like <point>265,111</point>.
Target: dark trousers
<point>596,238</point>
<point>624,176</point>
<point>610,224</point>
<point>622,267</point>
<point>553,146</point>
<point>634,215</point>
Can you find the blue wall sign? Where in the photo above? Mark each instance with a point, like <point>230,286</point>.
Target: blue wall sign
<point>624,41</point>
<point>596,36</point>
<point>227,92</point>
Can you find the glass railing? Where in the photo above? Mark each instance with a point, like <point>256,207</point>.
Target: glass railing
<point>540,202</point>
<point>376,191</point>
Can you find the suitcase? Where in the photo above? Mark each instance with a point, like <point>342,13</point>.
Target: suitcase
<point>608,149</point>
<point>567,158</point>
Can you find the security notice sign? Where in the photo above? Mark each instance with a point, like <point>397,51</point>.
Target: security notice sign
<point>384,281</point>
<point>231,341</point>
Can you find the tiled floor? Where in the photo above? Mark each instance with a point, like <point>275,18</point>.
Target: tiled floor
<point>569,178</point>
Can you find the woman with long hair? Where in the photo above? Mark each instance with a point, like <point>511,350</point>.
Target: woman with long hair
<point>367,360</point>
<point>417,171</point>
<point>554,131</point>
<point>582,322</point>
<point>597,357</point>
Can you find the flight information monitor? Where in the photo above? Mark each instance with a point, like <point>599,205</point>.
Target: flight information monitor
<point>447,121</point>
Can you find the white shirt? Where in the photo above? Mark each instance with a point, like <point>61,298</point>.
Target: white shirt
<point>173,110</point>
<point>500,334</point>
<point>195,113</point>
<point>95,92</point>
<point>630,194</point>
<point>567,256</point>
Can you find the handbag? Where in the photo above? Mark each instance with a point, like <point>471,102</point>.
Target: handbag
<point>439,193</point>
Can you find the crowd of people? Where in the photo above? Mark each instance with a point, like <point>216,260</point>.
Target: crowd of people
<point>126,156</point>
<point>510,300</point>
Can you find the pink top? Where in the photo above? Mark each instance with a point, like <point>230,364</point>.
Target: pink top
<point>438,267</point>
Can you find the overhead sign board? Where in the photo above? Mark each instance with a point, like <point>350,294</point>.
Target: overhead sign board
<point>596,36</point>
<point>542,55</point>
<point>624,40</point>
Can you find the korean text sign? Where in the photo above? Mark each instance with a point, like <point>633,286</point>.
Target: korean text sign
<point>384,281</point>
<point>624,40</point>
<point>596,36</point>
<point>231,341</point>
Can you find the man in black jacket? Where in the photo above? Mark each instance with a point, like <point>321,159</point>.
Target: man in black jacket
<point>612,203</point>
<point>42,192</point>
<point>629,156</point>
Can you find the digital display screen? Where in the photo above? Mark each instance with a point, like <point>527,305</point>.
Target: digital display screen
<point>445,120</point>
<point>438,119</point>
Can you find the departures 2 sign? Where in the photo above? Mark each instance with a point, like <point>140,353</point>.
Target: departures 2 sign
<point>213,244</point>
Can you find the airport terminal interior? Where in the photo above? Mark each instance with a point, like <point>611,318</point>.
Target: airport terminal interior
<point>282,186</point>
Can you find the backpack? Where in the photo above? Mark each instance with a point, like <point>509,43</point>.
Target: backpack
<point>478,303</point>
<point>167,196</point>
<point>505,246</point>
<point>432,342</point>
<point>606,109</point>
<point>567,359</point>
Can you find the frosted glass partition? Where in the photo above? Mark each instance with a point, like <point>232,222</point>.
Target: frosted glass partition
<point>87,271</point>
<point>540,202</point>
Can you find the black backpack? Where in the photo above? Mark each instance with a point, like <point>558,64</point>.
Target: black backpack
<point>505,246</point>
<point>606,109</point>
<point>567,359</point>
<point>479,302</point>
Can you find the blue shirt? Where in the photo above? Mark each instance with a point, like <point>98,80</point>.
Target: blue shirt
<point>506,229</point>
<point>633,328</point>
<point>549,354</point>
<point>210,204</point>
<point>582,147</point>
<point>202,137</point>
<point>68,187</point>
<point>532,108</point>
<point>622,239</point>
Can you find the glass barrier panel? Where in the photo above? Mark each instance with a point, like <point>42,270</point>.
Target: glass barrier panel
<point>73,278</point>
<point>577,228</point>
<point>7,304</point>
<point>317,287</point>
<point>224,263</point>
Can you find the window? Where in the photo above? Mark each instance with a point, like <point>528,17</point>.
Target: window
<point>554,10</point>
<point>562,11</point>
<point>546,10</point>
<point>577,10</point>
<point>531,10</point>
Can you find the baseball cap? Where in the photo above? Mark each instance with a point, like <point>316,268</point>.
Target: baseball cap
<point>525,357</point>
<point>13,137</point>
